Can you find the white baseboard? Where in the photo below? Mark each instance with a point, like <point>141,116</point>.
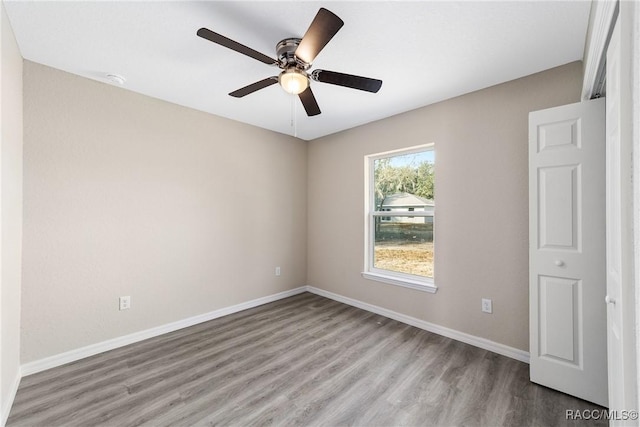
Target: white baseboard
<point>483,343</point>
<point>93,349</point>
<point>6,406</point>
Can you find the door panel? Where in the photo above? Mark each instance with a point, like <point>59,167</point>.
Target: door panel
<point>559,319</point>
<point>557,211</point>
<point>566,252</point>
<point>558,135</point>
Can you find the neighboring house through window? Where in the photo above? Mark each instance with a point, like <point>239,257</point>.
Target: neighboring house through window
<point>400,198</point>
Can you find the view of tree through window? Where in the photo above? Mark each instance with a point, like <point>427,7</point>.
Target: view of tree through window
<point>403,189</point>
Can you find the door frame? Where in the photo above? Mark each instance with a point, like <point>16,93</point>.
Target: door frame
<point>630,13</point>
<point>601,22</point>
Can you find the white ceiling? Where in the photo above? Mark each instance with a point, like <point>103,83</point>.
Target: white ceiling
<point>424,52</point>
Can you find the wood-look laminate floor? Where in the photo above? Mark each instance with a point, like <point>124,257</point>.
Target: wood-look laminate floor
<point>304,360</point>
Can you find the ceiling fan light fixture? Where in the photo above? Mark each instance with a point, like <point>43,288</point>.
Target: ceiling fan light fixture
<point>293,81</point>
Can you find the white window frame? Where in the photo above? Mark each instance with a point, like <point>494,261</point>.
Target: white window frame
<point>406,280</point>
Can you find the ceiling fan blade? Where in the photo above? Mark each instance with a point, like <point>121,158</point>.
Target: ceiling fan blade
<point>347,80</point>
<point>254,87</point>
<point>324,26</point>
<point>233,45</point>
<point>309,102</point>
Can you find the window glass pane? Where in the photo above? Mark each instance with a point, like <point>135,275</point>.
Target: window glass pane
<point>404,244</point>
<point>403,185</point>
<point>405,182</point>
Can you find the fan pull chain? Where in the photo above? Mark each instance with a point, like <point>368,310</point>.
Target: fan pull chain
<point>294,121</point>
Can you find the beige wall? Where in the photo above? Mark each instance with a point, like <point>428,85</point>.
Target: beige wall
<point>128,195</point>
<point>481,203</point>
<point>10,212</point>
<point>188,212</point>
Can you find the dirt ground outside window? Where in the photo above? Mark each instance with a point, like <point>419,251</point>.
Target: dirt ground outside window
<point>411,258</point>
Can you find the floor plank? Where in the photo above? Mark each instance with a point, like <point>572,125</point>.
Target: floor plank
<point>304,360</point>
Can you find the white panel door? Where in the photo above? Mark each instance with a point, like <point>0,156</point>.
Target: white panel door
<point>620,297</point>
<point>567,249</point>
<point>614,226</point>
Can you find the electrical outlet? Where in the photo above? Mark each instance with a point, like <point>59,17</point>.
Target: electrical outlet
<point>277,271</point>
<point>487,306</point>
<point>125,303</point>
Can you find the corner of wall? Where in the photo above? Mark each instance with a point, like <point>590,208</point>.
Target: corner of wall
<point>11,143</point>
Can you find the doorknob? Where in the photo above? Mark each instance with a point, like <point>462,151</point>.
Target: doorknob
<point>559,262</point>
<point>609,300</point>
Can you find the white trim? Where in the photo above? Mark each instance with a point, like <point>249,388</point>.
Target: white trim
<point>483,343</point>
<point>80,353</point>
<point>630,20</point>
<point>6,408</point>
<point>370,272</point>
<point>403,214</point>
<point>635,111</point>
<point>600,25</point>
<point>90,350</point>
<point>401,151</point>
<point>406,283</point>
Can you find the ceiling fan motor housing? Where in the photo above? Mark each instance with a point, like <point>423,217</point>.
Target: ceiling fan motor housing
<point>286,49</point>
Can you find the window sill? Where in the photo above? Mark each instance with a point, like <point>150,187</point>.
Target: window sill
<point>406,283</point>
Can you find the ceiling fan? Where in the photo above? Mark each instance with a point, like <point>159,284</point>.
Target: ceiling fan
<point>294,58</point>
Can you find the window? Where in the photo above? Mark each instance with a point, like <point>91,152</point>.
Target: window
<point>400,198</point>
